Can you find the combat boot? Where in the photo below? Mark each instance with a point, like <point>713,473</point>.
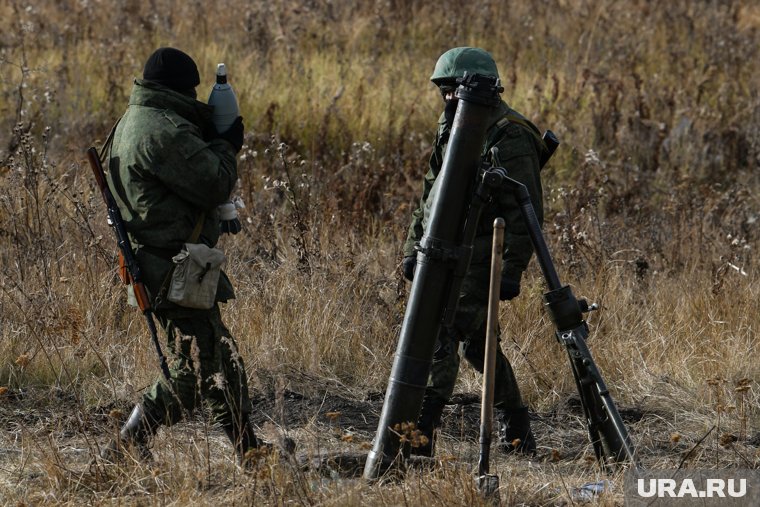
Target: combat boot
<point>243,439</point>
<point>248,446</point>
<point>428,425</point>
<point>515,434</point>
<point>135,433</point>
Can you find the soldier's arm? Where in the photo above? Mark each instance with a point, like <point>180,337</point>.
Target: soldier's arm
<point>415,228</point>
<point>517,153</point>
<point>202,173</point>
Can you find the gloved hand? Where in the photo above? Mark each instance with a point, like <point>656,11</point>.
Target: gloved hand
<point>408,265</point>
<point>509,288</point>
<point>229,223</point>
<point>234,134</point>
<point>231,226</point>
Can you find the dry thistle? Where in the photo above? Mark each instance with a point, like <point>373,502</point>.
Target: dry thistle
<point>23,360</point>
<point>742,385</point>
<point>419,439</point>
<point>401,427</point>
<point>408,432</point>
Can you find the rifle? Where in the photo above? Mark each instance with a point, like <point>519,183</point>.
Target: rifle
<point>129,270</point>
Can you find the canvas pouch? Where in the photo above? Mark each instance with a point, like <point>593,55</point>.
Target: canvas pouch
<point>195,276</point>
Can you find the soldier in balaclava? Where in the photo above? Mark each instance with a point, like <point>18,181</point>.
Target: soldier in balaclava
<point>169,170</point>
<point>519,150</point>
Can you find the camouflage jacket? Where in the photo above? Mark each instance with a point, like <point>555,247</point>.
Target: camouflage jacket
<point>519,145</point>
<point>166,171</point>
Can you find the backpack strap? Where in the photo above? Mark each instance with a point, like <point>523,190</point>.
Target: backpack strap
<point>496,131</point>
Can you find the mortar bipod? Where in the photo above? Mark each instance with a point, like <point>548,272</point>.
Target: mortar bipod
<point>607,431</point>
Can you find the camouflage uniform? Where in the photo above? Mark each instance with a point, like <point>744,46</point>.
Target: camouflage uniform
<point>169,171</point>
<point>519,145</point>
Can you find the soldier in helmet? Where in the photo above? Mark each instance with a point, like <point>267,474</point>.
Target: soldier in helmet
<point>169,170</point>
<point>519,150</point>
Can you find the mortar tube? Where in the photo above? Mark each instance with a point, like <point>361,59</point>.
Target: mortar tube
<point>436,258</point>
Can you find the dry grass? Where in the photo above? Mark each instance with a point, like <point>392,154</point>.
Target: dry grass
<point>652,211</point>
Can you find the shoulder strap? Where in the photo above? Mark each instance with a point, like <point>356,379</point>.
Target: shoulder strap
<point>496,131</point>
<point>197,230</point>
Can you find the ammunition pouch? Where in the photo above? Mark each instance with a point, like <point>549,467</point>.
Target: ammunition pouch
<point>195,276</point>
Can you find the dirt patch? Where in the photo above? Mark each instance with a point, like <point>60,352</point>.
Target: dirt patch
<point>343,424</point>
<point>561,431</point>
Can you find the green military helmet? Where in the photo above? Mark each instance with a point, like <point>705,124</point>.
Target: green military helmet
<point>455,62</point>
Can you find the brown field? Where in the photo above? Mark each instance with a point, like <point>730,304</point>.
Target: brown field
<point>652,211</point>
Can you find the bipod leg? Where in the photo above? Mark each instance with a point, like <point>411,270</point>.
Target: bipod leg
<point>607,430</point>
<point>584,389</point>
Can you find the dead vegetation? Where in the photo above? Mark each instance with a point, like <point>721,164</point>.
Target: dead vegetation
<point>652,211</point>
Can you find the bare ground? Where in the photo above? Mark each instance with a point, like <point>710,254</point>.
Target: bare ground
<point>49,438</point>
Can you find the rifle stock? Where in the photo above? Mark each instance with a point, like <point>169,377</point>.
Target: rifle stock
<point>129,269</point>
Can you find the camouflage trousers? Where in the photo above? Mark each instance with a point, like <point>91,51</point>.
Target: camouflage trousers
<point>206,367</point>
<point>469,329</point>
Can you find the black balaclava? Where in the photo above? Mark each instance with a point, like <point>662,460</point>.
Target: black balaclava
<point>172,68</point>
